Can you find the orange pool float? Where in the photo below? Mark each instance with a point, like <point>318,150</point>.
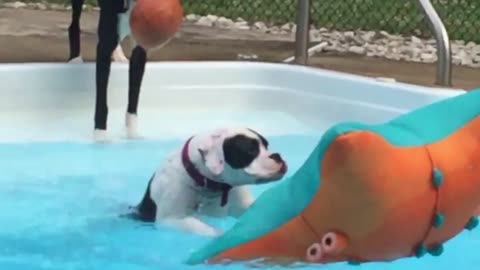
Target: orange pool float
<point>154,22</point>
<point>369,193</point>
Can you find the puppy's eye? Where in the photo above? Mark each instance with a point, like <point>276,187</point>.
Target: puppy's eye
<point>250,146</point>
<point>240,151</point>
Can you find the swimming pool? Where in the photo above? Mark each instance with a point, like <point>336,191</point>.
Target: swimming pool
<point>61,196</point>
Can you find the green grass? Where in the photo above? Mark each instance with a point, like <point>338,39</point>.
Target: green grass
<point>461,17</point>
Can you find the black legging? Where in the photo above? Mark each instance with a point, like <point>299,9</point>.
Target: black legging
<point>107,41</point>
<point>74,29</point>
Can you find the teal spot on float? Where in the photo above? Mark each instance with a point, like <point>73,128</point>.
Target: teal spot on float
<point>436,250</point>
<point>472,223</point>
<point>438,220</point>
<point>437,177</point>
<point>420,251</point>
<point>353,263</point>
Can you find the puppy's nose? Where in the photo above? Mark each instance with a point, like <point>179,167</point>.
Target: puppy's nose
<point>276,157</point>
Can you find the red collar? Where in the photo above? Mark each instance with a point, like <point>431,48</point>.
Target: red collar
<point>201,180</point>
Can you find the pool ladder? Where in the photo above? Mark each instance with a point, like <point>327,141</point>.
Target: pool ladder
<point>444,54</point>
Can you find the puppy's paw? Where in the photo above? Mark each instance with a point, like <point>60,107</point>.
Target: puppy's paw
<point>119,56</point>
<point>76,60</point>
<point>218,232</point>
<point>131,126</point>
<point>100,136</point>
<point>211,232</point>
<point>193,225</point>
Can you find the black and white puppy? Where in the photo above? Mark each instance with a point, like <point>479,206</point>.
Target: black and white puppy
<point>74,37</point>
<point>208,177</point>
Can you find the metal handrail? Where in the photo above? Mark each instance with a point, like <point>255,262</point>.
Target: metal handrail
<point>444,54</point>
<point>303,32</point>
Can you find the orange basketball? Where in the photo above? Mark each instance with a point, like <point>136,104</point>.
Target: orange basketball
<point>154,22</point>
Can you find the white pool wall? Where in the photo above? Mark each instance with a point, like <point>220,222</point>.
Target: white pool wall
<point>51,101</point>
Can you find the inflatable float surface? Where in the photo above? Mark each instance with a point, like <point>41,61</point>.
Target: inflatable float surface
<point>369,193</point>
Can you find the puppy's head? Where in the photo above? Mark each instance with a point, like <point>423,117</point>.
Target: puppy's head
<point>240,157</point>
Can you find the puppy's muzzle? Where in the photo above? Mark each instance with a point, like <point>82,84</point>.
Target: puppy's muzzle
<point>279,173</point>
<point>278,159</point>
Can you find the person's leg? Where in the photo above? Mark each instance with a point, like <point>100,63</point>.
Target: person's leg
<point>74,29</point>
<point>136,71</point>
<point>107,41</point>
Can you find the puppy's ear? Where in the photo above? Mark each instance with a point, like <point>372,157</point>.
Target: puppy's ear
<point>211,153</point>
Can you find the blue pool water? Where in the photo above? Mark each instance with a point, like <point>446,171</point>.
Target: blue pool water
<point>60,205</point>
